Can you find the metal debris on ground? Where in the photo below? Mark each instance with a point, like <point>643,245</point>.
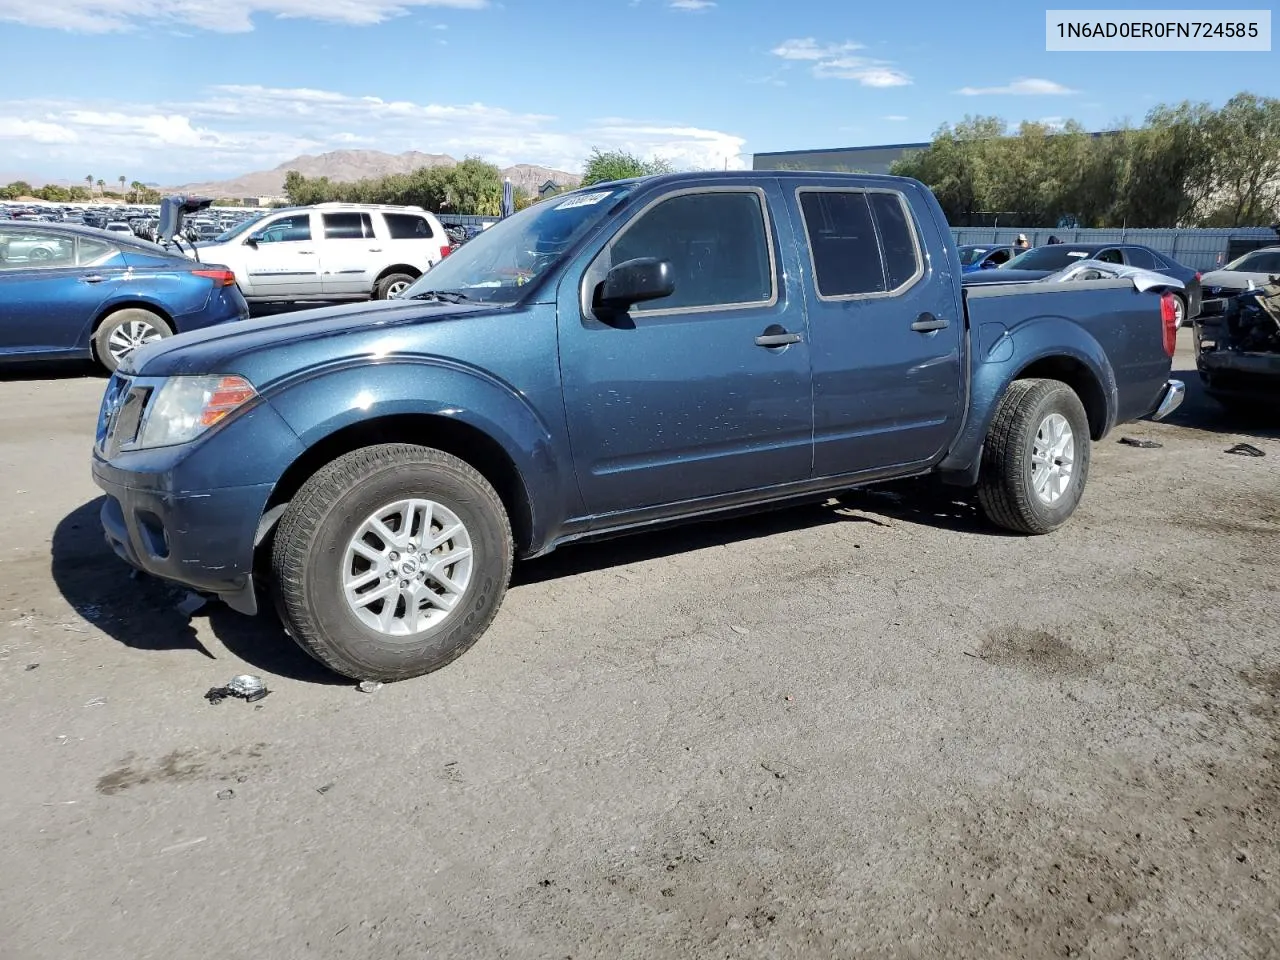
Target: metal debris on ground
<point>325,788</point>
<point>1246,450</point>
<point>32,666</point>
<point>226,794</point>
<point>97,702</point>
<point>191,603</point>
<point>245,686</point>
<point>1141,443</point>
<point>369,686</point>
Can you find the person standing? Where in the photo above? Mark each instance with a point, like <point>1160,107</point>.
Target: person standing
<point>1021,243</point>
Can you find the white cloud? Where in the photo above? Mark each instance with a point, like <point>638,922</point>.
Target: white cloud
<point>836,61</point>
<point>895,118</point>
<point>14,128</point>
<point>691,6</point>
<point>1025,87</point>
<point>239,128</point>
<point>809,49</point>
<point>226,16</point>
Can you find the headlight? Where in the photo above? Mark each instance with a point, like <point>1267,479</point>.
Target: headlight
<point>185,407</point>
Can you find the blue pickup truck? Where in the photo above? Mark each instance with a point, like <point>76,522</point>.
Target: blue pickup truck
<point>629,354</point>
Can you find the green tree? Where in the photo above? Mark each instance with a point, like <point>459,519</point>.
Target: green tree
<point>1245,164</point>
<point>603,166</point>
<point>19,188</point>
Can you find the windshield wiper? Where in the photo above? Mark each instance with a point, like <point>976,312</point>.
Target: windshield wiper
<point>444,296</point>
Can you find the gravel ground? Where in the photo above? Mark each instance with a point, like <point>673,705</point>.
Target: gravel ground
<point>869,728</point>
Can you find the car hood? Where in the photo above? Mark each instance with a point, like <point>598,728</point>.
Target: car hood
<point>269,348</point>
<point>1000,275</point>
<point>1233,279</point>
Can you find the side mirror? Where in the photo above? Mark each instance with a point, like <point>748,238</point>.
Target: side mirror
<point>635,281</point>
<point>989,265</point>
<point>251,242</point>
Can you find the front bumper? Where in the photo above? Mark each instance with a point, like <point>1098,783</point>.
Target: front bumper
<point>202,540</point>
<point>1171,397</point>
<point>1228,373</point>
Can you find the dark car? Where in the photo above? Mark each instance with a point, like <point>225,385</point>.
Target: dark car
<point>635,352</point>
<point>70,292</point>
<point>983,256</point>
<point>1238,350</point>
<point>1038,262</point>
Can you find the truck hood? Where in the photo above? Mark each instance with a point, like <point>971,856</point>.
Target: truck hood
<point>267,347</point>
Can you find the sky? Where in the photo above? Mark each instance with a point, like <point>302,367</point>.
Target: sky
<point>173,91</point>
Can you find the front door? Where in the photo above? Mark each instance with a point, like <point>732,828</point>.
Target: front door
<point>681,399</point>
<point>350,254</point>
<point>51,286</point>
<point>887,326</point>
<point>282,260</point>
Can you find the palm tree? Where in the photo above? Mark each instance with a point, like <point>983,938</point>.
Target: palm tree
<point>101,183</point>
<point>136,186</point>
<point>122,188</point>
<point>89,183</point>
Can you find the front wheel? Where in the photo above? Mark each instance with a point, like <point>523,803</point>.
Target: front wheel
<point>125,331</point>
<point>1036,457</point>
<point>391,561</point>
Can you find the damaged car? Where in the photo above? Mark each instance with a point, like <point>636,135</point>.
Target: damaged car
<point>1238,350</point>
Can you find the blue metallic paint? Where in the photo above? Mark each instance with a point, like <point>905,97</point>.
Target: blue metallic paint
<point>611,428</point>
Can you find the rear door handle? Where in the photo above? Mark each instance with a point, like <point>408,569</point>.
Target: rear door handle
<point>92,278</point>
<point>927,322</point>
<point>305,252</point>
<point>375,249</point>
<point>777,339</point>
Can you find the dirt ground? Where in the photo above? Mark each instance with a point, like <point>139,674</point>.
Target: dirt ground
<point>874,728</point>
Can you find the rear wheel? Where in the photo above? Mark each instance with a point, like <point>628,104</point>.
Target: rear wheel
<point>125,331</point>
<point>1036,457</point>
<point>1179,310</point>
<point>392,286</point>
<point>391,561</point>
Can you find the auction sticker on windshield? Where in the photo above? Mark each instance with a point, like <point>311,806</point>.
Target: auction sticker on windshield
<point>586,200</point>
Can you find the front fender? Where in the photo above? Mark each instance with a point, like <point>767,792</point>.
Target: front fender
<point>319,404</point>
<point>1001,356</point>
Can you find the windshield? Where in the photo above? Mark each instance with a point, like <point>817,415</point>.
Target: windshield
<point>498,262</point>
<point>1259,261</point>
<point>971,255</point>
<point>1053,257</point>
<point>239,228</point>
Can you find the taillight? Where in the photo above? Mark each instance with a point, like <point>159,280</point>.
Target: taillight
<point>1169,317</point>
<point>220,278</point>
<point>445,251</point>
<point>1197,276</point>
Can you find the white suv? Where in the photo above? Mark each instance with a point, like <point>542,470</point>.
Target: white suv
<point>330,251</point>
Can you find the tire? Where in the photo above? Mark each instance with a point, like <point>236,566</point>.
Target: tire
<point>313,552</point>
<point>1007,484</point>
<point>391,284</point>
<point>1181,302</point>
<point>122,332</point>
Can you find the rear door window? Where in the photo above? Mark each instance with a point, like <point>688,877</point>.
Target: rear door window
<point>347,226</point>
<point>861,242</point>
<point>1138,257</point>
<point>1111,255</point>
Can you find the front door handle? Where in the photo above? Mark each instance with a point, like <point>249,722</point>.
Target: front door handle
<point>927,322</point>
<point>776,336</point>
<point>375,249</point>
<point>92,278</point>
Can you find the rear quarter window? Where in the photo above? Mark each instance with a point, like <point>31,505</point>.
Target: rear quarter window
<point>408,226</point>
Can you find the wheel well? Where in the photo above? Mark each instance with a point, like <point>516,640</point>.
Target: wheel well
<point>442,433</point>
<point>398,268</point>
<point>1080,379</point>
<point>126,305</point>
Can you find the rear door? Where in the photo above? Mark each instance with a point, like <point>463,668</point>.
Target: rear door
<point>350,253</point>
<point>51,286</point>
<point>886,327</point>
<point>680,400</point>
<point>285,262</point>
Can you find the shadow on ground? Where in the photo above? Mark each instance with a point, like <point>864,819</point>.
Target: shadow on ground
<point>142,612</point>
<point>52,370</point>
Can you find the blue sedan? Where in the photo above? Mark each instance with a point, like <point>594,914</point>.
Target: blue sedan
<point>983,256</point>
<point>77,293</point>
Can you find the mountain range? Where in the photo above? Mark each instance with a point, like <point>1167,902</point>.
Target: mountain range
<point>345,166</point>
